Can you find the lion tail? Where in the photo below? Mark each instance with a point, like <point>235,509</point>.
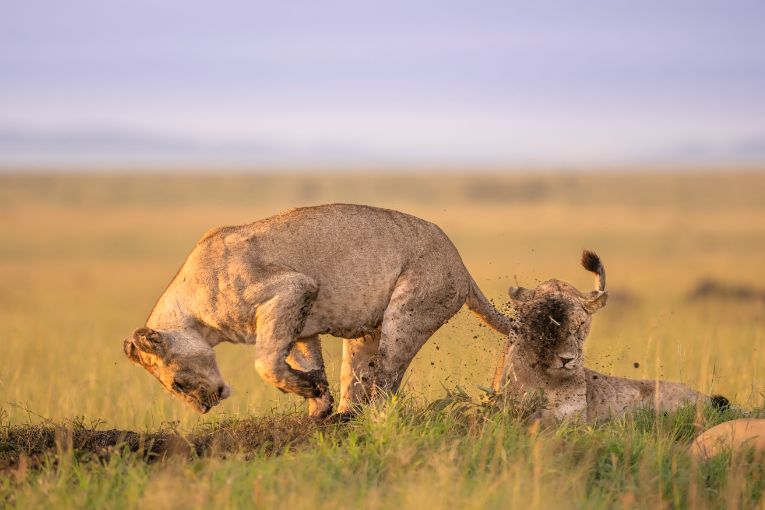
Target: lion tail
<point>478,304</point>
<point>591,262</point>
<point>719,402</point>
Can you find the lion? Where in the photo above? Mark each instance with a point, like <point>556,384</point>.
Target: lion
<point>544,352</point>
<point>382,280</point>
<point>742,434</point>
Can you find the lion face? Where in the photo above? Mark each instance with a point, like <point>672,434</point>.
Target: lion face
<point>183,364</point>
<point>553,322</point>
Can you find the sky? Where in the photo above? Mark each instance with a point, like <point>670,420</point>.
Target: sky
<point>357,83</point>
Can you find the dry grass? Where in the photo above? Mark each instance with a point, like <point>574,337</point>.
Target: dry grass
<point>82,259</point>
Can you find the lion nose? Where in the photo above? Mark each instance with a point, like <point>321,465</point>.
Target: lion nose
<point>566,359</point>
<point>223,391</point>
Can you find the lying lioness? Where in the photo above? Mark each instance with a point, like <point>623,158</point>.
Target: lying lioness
<point>544,352</point>
<point>383,280</point>
<point>729,436</point>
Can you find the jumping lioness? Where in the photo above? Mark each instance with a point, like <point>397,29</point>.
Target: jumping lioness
<point>383,280</point>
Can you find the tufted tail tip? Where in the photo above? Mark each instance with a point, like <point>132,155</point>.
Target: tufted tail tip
<point>719,402</point>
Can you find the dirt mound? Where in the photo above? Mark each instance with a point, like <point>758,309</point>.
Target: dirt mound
<point>33,444</point>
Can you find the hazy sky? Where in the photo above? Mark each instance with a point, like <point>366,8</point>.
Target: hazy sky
<point>414,82</point>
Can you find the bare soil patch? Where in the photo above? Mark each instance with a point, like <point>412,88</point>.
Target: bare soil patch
<point>31,445</point>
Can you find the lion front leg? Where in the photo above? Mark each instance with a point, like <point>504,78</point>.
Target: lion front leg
<point>279,321</point>
<point>306,357</point>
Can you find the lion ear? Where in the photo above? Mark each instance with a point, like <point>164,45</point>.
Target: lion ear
<point>519,293</point>
<point>146,340</point>
<point>595,300</point>
<point>130,349</point>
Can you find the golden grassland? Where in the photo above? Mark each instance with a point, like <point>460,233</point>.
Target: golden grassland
<point>84,257</point>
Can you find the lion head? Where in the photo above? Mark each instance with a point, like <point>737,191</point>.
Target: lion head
<point>553,321</point>
<point>183,364</point>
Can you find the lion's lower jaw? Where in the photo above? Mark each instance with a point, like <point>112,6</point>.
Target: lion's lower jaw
<point>204,407</point>
<point>563,374</point>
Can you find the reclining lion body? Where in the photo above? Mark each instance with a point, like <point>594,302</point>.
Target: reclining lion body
<point>383,280</point>
<point>609,396</point>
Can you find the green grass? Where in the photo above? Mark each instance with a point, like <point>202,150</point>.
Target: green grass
<point>454,453</point>
<point>84,257</point>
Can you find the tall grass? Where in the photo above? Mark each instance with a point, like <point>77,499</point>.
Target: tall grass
<point>83,258</point>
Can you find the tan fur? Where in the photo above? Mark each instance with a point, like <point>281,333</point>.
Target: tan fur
<point>545,351</point>
<point>609,396</point>
<point>730,436</point>
<point>383,280</point>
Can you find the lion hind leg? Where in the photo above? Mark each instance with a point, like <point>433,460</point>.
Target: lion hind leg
<point>418,307</point>
<point>357,371</point>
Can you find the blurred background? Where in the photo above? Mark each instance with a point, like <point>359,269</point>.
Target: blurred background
<point>334,84</point>
<point>527,131</point>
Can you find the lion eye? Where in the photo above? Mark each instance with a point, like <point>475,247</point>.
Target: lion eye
<point>180,386</point>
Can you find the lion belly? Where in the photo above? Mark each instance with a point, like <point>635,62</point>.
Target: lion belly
<point>349,311</point>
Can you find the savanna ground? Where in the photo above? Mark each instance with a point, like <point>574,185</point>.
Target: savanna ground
<point>83,257</point>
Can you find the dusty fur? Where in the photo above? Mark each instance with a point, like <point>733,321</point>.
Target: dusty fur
<point>383,280</point>
<point>545,349</point>
<point>546,320</point>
